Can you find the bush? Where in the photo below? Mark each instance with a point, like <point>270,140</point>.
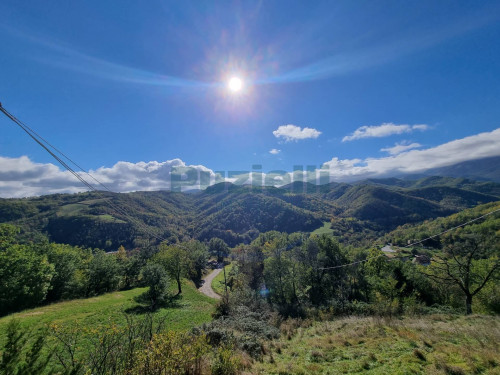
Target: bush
<point>155,277</point>
<point>174,354</point>
<point>225,363</point>
<point>20,358</point>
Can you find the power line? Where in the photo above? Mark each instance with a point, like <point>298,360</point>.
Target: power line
<point>46,146</point>
<point>413,243</point>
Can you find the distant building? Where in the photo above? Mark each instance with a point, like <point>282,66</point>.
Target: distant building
<point>388,249</point>
<point>423,260</point>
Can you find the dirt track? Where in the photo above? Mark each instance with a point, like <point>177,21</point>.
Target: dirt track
<point>206,288</point>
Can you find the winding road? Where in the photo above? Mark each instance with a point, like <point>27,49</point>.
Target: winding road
<point>206,288</point>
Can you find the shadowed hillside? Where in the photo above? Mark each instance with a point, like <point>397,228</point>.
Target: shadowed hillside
<point>238,214</point>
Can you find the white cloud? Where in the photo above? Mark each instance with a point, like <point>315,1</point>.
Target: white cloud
<point>478,146</point>
<point>21,177</point>
<point>274,151</point>
<point>401,147</point>
<point>384,130</point>
<point>295,133</point>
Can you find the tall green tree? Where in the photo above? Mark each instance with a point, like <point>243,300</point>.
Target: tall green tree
<point>155,277</point>
<point>469,261</point>
<point>197,257</point>
<point>319,255</point>
<point>25,275</point>
<point>218,248</point>
<point>251,263</point>
<point>175,260</point>
<point>24,278</point>
<point>69,264</point>
<point>103,274</point>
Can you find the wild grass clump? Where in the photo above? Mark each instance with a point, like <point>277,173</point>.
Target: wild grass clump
<point>417,353</point>
<point>243,328</point>
<point>450,345</point>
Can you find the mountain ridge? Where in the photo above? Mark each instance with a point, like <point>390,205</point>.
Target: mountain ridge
<point>238,214</point>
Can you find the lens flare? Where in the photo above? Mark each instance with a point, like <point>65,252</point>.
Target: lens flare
<point>235,84</point>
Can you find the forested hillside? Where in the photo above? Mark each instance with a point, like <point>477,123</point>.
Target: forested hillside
<point>238,214</point>
<point>278,285</point>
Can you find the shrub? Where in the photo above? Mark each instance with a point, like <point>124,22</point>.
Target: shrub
<point>225,363</point>
<point>173,353</point>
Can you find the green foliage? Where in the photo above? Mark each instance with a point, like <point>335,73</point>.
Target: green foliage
<point>25,276</point>
<point>238,214</point>
<point>174,259</point>
<point>470,261</point>
<point>225,362</point>
<point>131,269</point>
<point>218,281</point>
<point>69,263</point>
<point>197,258</point>
<point>8,234</point>
<point>218,248</point>
<point>155,278</point>
<point>103,274</point>
<point>18,357</point>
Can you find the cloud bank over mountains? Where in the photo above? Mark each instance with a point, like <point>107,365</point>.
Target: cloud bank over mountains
<point>398,148</point>
<point>22,177</point>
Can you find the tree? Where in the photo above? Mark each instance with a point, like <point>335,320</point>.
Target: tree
<point>69,263</point>
<point>197,257</point>
<point>103,274</point>
<point>251,263</point>
<point>8,235</point>
<point>218,248</point>
<point>155,277</point>
<point>469,261</point>
<point>131,270</point>
<point>280,277</point>
<point>318,255</point>
<point>174,259</point>
<point>25,278</point>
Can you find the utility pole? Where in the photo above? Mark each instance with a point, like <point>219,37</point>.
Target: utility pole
<point>225,281</point>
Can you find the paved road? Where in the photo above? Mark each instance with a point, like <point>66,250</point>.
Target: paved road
<point>206,288</point>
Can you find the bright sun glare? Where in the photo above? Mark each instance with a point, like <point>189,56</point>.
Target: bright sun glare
<point>235,84</point>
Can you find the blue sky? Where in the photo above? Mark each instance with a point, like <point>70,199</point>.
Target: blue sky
<point>353,84</point>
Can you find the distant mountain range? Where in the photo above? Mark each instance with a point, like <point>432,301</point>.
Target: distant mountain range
<point>356,212</point>
<point>487,169</point>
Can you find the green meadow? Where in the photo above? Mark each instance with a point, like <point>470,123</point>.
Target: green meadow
<point>190,310</point>
<point>218,281</point>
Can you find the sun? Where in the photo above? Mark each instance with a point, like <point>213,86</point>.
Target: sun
<point>235,84</point>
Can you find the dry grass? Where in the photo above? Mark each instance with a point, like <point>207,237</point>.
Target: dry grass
<point>437,344</point>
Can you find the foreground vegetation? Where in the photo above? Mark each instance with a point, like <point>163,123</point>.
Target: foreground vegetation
<point>188,311</point>
<point>282,287</point>
<point>433,344</point>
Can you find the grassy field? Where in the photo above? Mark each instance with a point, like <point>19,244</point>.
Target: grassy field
<point>192,309</point>
<point>79,208</point>
<point>436,344</point>
<point>325,229</point>
<point>218,281</point>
